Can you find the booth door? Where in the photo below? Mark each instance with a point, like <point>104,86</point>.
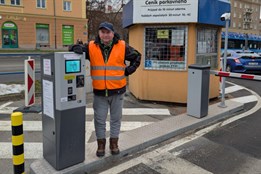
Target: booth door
<point>9,38</point>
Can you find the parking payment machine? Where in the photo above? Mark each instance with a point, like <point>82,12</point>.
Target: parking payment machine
<point>63,108</point>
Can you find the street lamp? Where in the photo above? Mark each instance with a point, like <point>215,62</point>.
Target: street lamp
<point>224,17</point>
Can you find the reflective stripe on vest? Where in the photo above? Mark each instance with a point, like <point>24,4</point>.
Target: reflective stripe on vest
<point>108,75</point>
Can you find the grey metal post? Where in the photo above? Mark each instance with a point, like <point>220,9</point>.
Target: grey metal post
<point>198,90</point>
<point>224,67</point>
<point>63,106</point>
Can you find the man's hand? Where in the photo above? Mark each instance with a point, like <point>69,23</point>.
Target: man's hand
<point>129,70</point>
<point>79,49</point>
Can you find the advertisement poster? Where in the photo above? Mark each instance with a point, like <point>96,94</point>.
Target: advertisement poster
<point>67,34</point>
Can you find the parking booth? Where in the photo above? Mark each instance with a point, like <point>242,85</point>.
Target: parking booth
<point>171,35</point>
<point>63,108</point>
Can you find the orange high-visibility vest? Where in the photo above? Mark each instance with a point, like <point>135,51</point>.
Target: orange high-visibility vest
<point>108,75</point>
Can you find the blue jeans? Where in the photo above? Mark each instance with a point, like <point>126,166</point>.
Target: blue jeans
<point>101,106</point>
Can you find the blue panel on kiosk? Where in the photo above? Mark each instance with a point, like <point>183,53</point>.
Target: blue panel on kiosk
<point>210,11</point>
<point>127,14</point>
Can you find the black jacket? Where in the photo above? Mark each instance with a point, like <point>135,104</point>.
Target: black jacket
<point>131,55</point>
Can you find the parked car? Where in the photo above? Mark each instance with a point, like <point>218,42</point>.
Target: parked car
<point>242,61</point>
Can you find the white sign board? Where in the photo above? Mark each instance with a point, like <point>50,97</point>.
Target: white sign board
<point>165,65</point>
<point>177,37</point>
<point>47,67</point>
<point>165,11</point>
<point>48,104</point>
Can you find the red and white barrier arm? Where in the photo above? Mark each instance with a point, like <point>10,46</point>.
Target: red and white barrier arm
<point>235,75</point>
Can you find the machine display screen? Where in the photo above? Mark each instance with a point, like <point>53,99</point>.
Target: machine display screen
<point>72,66</point>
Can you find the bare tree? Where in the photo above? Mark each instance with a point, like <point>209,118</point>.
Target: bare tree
<point>98,11</point>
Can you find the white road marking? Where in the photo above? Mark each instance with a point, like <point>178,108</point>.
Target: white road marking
<point>137,111</point>
<point>27,126</point>
<point>145,158</point>
<point>163,150</point>
<point>89,111</point>
<point>31,150</point>
<point>37,125</point>
<point>132,111</point>
<point>35,151</point>
<point>233,88</point>
<point>166,163</point>
<point>245,99</point>
<point>6,104</point>
<point>7,110</point>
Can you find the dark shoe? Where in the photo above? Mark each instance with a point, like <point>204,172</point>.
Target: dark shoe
<point>114,146</point>
<point>101,147</point>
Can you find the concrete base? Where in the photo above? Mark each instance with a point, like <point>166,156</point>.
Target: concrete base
<point>29,109</point>
<point>141,138</point>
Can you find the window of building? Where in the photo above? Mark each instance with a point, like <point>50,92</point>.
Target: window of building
<point>15,2</point>
<point>2,1</point>
<point>207,47</point>
<point>41,3</point>
<point>67,5</point>
<point>166,47</point>
<point>42,35</point>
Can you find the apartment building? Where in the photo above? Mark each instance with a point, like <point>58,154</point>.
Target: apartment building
<point>37,24</point>
<point>244,30</point>
<point>245,16</point>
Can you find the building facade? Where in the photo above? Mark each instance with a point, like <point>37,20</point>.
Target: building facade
<point>37,24</point>
<point>245,16</point>
<point>244,30</point>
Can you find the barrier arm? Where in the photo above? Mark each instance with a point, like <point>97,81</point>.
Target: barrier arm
<point>236,75</point>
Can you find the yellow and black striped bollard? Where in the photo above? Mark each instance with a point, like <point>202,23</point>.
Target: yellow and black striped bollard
<point>18,142</point>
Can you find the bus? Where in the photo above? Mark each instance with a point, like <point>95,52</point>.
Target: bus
<point>236,41</point>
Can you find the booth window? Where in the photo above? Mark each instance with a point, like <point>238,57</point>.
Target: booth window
<point>207,47</point>
<point>166,47</point>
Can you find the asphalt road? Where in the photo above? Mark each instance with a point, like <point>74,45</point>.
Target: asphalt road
<point>234,148</point>
<point>231,148</point>
<point>12,68</point>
